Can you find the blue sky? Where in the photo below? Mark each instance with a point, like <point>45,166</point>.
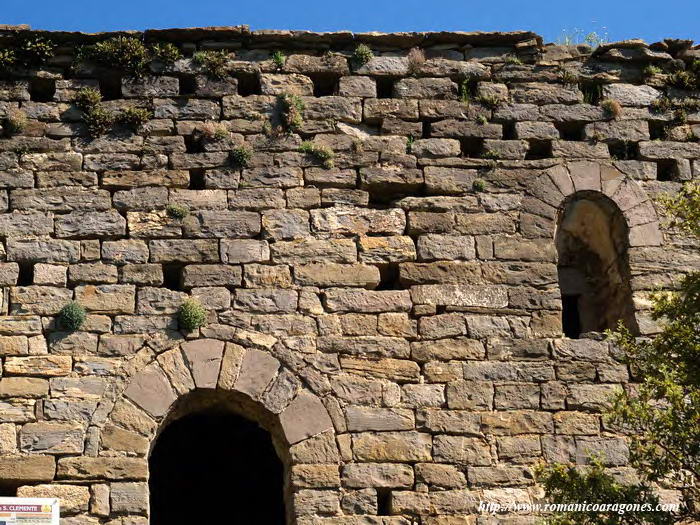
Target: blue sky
<point>650,20</point>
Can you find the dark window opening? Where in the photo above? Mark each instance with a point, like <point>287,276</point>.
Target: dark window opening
<point>172,276</point>
<point>472,147</point>
<point>8,489</point>
<point>193,143</point>
<point>426,129</point>
<point>509,131</point>
<point>389,277</point>
<point>248,84</point>
<point>593,267</point>
<point>658,130</point>
<point>570,130</point>
<point>188,85</point>
<point>666,170</point>
<point>623,150</point>
<point>26,274</point>
<point>539,149</point>
<point>324,84</point>
<point>197,181</point>
<point>570,316</point>
<point>385,87</point>
<point>215,467</point>
<point>111,87</point>
<point>592,92</point>
<point>42,89</point>
<point>383,502</point>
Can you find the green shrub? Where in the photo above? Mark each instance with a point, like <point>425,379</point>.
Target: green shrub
<point>278,58</point>
<point>126,53</point>
<point>290,108</point>
<point>612,107</point>
<point>177,211</point>
<point>490,154</point>
<point>568,78</point>
<point>72,316</point>
<point>409,143</point>
<point>240,156</point>
<point>191,315</point>
<point>416,59</point>
<point>214,63</point>
<point>489,101</point>
<point>98,121</point>
<point>513,60</point>
<point>133,117</point>
<point>36,51</point>
<point>321,153</point>
<point>15,121</point>
<point>166,53</point>
<point>650,71</point>
<point>465,90</point>
<point>683,80</point>
<point>8,59</point>
<point>479,185</point>
<point>480,119</point>
<point>87,98</point>
<point>361,55</point>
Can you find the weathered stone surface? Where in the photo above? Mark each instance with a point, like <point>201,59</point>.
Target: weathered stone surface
<point>27,469</point>
<point>73,498</point>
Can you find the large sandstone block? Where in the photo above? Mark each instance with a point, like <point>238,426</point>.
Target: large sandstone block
<point>397,447</point>
<point>27,469</point>
<point>52,438</point>
<point>110,468</point>
<point>353,300</point>
<point>382,475</point>
<point>73,498</point>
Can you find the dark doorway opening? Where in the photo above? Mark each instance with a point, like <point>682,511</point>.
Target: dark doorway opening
<point>593,267</point>
<point>215,467</point>
<point>570,316</point>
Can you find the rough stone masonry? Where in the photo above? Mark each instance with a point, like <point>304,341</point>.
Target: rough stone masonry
<point>390,310</point>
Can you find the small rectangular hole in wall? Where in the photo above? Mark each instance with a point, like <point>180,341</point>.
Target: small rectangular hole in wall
<point>193,144</point>
<point>42,89</point>
<point>570,130</point>
<point>111,87</point>
<point>570,316</point>
<point>172,276</point>
<point>8,490</point>
<point>666,170</point>
<point>658,130</point>
<point>472,147</point>
<point>26,274</point>
<point>539,149</point>
<point>385,87</point>
<point>197,179</point>
<point>188,85</point>
<point>389,277</point>
<point>623,150</point>
<point>324,84</point>
<point>592,92</point>
<point>426,129</point>
<point>248,84</point>
<point>383,502</point>
<point>509,131</point>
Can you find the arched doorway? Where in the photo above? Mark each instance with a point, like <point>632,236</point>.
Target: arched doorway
<point>594,276</point>
<point>214,466</point>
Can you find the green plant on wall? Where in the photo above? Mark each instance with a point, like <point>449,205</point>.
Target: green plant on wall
<point>15,121</point>
<point>214,63</point>
<point>177,211</point>
<point>290,109</point>
<point>72,316</point>
<point>133,117</point>
<point>361,55</point>
<point>126,53</point>
<point>324,154</point>
<point>191,315</point>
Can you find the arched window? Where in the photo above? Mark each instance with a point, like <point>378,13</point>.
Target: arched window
<point>214,466</point>
<point>594,276</point>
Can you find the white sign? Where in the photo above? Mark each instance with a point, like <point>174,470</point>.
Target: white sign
<point>29,511</point>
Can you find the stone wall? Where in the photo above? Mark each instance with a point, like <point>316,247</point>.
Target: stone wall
<point>392,317</point>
